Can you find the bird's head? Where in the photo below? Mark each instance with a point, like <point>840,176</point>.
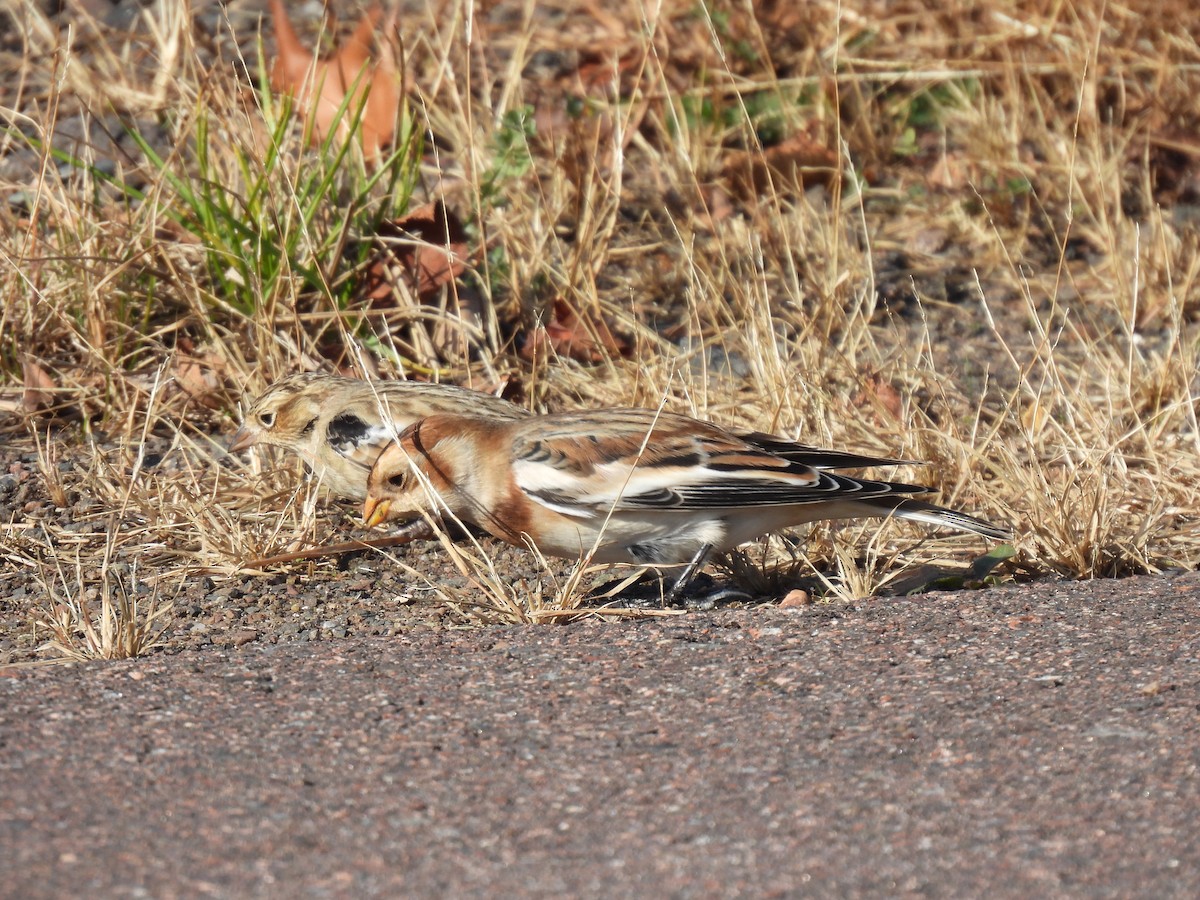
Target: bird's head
<point>285,415</point>
<point>415,474</point>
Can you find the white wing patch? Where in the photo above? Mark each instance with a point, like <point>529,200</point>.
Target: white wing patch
<point>609,486</point>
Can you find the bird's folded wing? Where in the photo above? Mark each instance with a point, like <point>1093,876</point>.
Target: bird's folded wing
<point>720,483</point>
<point>818,457</point>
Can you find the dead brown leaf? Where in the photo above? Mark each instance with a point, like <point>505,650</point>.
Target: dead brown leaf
<point>717,207</point>
<point>785,168</point>
<point>796,599</point>
<point>202,378</point>
<point>582,337</point>
<point>600,69</point>
<point>1035,415</point>
<point>948,173</point>
<point>348,71</point>
<point>781,16</point>
<point>429,244</point>
<point>879,397</point>
<point>39,387</point>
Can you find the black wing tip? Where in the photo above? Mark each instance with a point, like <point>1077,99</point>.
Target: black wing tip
<point>931,514</point>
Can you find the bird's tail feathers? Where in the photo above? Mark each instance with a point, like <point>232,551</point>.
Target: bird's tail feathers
<point>931,514</point>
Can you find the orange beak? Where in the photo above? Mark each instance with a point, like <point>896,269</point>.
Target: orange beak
<point>375,512</point>
<point>242,438</point>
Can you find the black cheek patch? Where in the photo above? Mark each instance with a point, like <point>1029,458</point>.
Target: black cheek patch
<point>347,429</point>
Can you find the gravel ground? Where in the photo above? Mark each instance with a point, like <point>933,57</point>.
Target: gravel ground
<point>1032,741</point>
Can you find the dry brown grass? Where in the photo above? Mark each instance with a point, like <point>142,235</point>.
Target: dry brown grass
<point>97,615</point>
<point>995,271</point>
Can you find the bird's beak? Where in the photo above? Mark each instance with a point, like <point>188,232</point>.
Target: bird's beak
<point>375,512</point>
<point>242,438</point>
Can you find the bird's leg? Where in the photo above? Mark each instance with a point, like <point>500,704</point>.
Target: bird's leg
<point>689,572</point>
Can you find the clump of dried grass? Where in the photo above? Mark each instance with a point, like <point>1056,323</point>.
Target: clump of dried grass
<point>96,614</point>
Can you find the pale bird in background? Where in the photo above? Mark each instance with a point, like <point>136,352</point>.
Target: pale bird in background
<point>338,425</point>
<point>638,486</point>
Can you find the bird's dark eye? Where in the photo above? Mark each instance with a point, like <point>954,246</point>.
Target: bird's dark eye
<point>397,481</point>
<point>267,419</point>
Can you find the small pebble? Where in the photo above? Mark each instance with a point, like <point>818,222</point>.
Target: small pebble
<point>796,599</point>
<point>243,636</point>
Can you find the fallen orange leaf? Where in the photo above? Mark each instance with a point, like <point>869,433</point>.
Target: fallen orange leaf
<point>795,599</point>
<point>347,71</point>
<point>580,337</point>
<point>39,387</point>
<point>787,166</point>
<point>879,397</point>
<point>429,243</point>
<point>202,378</point>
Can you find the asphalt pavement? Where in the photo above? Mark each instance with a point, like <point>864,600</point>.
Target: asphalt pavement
<point>1036,741</point>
